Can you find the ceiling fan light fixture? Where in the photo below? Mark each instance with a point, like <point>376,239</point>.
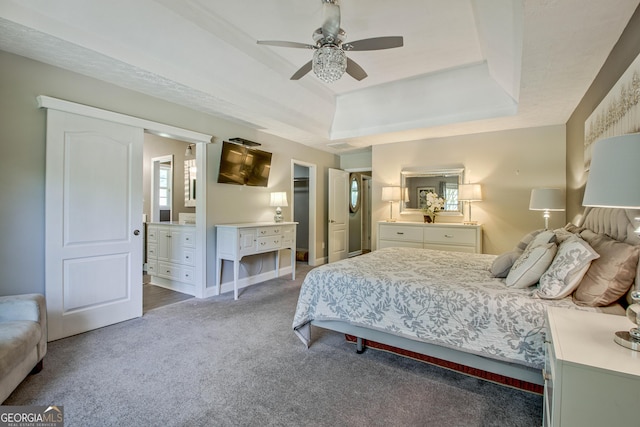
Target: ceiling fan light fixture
<point>329,63</point>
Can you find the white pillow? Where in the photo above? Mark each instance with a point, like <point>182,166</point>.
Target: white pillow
<point>569,266</point>
<point>533,262</point>
<point>547,236</point>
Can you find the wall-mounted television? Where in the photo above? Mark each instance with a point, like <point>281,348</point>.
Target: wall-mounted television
<point>242,165</point>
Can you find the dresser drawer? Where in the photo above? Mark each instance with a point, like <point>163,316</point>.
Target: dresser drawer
<point>450,235</point>
<point>288,235</point>
<point>403,233</point>
<point>269,231</point>
<point>268,243</point>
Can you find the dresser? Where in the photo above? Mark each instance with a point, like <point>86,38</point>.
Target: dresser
<point>445,237</point>
<point>235,241</point>
<point>589,379</point>
<point>171,256</point>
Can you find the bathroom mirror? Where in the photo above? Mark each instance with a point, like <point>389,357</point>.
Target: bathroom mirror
<point>190,183</point>
<point>416,182</point>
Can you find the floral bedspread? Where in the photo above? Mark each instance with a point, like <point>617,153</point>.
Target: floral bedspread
<point>444,298</point>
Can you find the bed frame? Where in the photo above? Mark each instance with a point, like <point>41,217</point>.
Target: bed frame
<point>620,224</point>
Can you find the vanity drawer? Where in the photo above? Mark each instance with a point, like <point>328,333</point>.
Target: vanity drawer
<point>152,234</point>
<point>450,235</point>
<point>152,268</point>
<point>405,233</point>
<point>189,239</point>
<point>152,251</point>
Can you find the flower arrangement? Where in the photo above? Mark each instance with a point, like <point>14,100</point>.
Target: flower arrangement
<point>432,205</point>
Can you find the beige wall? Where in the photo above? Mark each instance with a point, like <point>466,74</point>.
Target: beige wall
<point>157,146</point>
<point>508,164</point>
<point>625,51</point>
<point>22,163</point>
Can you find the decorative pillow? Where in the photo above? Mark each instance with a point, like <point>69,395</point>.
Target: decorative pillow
<point>609,276</point>
<point>542,238</point>
<point>502,264</point>
<point>522,244</point>
<point>562,234</point>
<point>572,228</point>
<point>569,266</point>
<point>529,266</point>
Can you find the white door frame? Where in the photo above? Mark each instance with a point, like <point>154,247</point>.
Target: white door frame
<point>313,178</point>
<point>160,129</point>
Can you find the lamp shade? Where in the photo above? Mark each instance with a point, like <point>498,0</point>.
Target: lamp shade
<point>278,199</point>
<point>470,192</point>
<point>390,194</point>
<point>614,176</point>
<point>547,199</point>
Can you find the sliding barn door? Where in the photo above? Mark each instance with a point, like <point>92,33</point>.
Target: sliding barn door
<point>93,223</point>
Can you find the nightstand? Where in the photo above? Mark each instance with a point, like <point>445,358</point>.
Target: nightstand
<point>589,379</point>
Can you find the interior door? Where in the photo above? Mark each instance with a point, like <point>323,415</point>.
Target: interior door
<point>93,239</point>
<point>338,215</point>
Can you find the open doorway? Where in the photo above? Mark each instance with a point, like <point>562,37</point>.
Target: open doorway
<point>359,213</point>
<point>303,189</point>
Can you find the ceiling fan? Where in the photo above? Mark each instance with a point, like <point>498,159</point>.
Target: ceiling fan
<point>329,58</point>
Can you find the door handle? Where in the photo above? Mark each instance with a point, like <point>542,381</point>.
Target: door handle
<point>136,232</point>
<point>331,221</point>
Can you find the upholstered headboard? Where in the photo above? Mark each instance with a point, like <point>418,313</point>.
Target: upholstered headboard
<point>620,224</point>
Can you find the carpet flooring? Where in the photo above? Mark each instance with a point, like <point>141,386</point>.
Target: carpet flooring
<point>220,362</point>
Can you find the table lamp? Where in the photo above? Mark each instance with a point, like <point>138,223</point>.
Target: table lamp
<point>614,182</point>
<point>390,194</point>
<point>470,193</point>
<point>278,199</point>
<point>546,199</point>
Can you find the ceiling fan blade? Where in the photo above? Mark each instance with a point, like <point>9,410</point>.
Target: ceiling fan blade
<point>302,71</point>
<point>331,23</point>
<point>354,70</point>
<point>376,43</point>
<point>279,43</point>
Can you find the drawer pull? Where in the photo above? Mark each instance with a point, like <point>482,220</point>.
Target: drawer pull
<point>399,232</point>
<point>449,236</point>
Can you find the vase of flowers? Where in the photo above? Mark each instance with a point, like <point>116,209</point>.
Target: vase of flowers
<point>432,205</point>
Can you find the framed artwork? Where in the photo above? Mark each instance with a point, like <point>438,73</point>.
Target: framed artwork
<point>617,114</point>
<point>421,195</point>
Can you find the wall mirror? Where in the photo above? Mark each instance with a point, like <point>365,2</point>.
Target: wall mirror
<point>444,182</point>
<point>354,192</point>
<point>190,183</point>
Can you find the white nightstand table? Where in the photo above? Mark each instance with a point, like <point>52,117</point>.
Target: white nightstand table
<point>589,379</point>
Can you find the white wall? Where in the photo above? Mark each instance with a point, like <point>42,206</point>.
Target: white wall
<point>508,164</point>
<point>22,164</point>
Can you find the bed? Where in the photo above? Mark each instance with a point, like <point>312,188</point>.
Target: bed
<point>447,305</point>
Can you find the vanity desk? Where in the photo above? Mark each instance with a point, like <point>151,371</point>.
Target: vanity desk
<point>235,241</point>
<point>443,236</point>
